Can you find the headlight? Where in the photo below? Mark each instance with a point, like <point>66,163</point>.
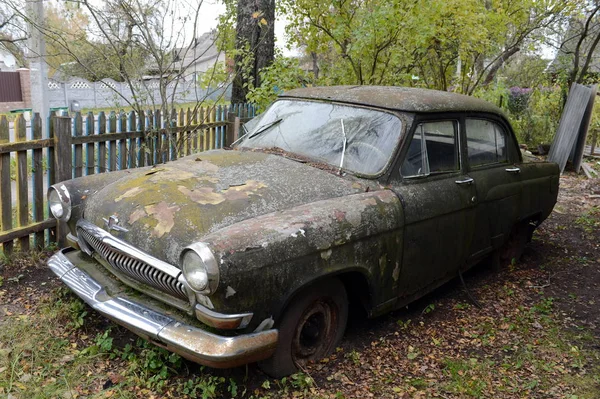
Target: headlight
<point>200,268</point>
<point>59,201</point>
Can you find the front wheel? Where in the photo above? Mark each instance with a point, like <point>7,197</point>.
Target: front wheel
<point>310,328</point>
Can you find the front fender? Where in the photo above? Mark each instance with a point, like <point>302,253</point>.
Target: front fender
<point>265,260</point>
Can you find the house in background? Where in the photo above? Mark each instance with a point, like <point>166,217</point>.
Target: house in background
<point>192,61</point>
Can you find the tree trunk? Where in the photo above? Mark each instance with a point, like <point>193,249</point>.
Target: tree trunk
<point>498,63</point>
<point>255,28</point>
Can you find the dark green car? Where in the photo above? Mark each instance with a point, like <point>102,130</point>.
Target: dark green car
<point>375,195</point>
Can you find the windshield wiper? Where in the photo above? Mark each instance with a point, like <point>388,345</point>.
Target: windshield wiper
<point>343,146</point>
<point>265,127</point>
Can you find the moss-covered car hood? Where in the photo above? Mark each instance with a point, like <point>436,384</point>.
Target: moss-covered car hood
<point>169,206</point>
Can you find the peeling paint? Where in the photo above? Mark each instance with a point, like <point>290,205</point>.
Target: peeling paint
<point>229,292</point>
<point>202,195</point>
<point>171,174</point>
<point>164,214</point>
<point>396,272</point>
<point>130,193</point>
<point>326,254</point>
<point>136,215</point>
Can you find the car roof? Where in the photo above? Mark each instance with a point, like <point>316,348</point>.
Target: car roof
<point>396,98</point>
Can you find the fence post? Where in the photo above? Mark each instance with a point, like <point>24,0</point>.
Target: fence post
<point>62,164</point>
<point>233,128</point>
<point>5,189</point>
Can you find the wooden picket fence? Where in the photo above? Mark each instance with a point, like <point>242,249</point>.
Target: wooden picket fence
<point>84,145</point>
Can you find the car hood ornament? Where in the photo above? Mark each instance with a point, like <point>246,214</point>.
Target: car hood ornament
<point>112,223</point>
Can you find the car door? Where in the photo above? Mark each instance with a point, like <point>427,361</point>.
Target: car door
<point>436,196</point>
<point>492,158</point>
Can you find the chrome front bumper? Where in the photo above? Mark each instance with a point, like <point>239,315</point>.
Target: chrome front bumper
<point>189,341</point>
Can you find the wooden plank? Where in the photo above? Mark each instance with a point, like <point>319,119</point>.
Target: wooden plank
<point>150,140</point>
<point>203,132</point>
<point>39,227</point>
<point>62,165</point>
<point>123,154</point>
<point>172,136</point>
<point>101,144</point>
<point>102,138</point>
<point>141,157</point>
<point>6,148</point>
<point>131,143</point>
<point>78,149</point>
<point>190,133</point>
<point>90,151</point>
<point>212,130</point>
<point>183,135</point>
<point>5,189</point>
<point>112,144</point>
<point>160,150</point>
<point>51,168</point>
<point>21,178</point>
<point>568,127</point>
<point>62,145</point>
<point>38,181</point>
<point>577,153</point>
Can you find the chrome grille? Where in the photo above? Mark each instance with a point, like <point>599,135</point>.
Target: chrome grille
<point>137,269</point>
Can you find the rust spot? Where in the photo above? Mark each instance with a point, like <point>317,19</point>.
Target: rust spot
<point>129,193</point>
<point>339,215</point>
<point>137,215</point>
<point>164,214</point>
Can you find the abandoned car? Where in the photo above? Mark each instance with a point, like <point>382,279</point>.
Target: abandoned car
<point>373,195</point>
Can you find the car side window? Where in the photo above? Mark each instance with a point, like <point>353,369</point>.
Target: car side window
<point>432,149</point>
<point>486,142</point>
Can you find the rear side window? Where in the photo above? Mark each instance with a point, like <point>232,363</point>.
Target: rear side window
<point>486,142</point>
<point>432,149</point>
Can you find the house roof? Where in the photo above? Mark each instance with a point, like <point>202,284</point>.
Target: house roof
<point>201,49</point>
<point>396,98</point>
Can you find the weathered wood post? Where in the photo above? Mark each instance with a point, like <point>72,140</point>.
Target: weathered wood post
<point>62,164</point>
<point>5,189</point>
<point>233,129</point>
<point>22,186</point>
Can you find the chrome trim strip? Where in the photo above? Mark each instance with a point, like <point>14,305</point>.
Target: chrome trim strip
<point>127,249</point>
<point>219,320</point>
<point>189,341</point>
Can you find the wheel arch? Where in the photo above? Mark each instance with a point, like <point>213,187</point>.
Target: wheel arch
<point>356,282</point>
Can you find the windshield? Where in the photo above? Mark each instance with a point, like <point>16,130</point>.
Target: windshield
<point>357,139</point>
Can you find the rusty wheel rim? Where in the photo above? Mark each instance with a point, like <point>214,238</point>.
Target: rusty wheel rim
<point>315,332</point>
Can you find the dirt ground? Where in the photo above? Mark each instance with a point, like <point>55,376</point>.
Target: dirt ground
<point>537,333</point>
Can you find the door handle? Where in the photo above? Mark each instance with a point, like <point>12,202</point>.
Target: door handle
<point>513,170</point>
<point>468,180</point>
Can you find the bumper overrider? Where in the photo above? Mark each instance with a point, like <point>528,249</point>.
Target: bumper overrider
<point>165,331</point>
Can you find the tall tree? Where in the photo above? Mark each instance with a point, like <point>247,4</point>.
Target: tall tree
<point>12,33</point>
<point>449,44</point>
<point>255,44</point>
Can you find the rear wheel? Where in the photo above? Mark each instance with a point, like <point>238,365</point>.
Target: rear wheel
<point>519,237</point>
<point>310,328</point>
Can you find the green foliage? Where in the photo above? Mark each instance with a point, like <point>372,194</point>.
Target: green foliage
<point>449,45</point>
<point>216,76</point>
<point>284,74</point>
<point>538,122</point>
<point>429,308</point>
